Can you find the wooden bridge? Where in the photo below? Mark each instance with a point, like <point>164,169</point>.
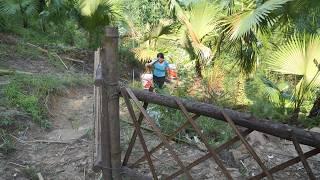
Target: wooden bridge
<point>107,125</point>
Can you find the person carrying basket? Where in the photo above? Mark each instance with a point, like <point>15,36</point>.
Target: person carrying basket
<point>160,70</point>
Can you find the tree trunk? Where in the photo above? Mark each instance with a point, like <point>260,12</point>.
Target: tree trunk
<point>294,117</point>
<point>242,119</point>
<point>24,16</point>
<point>315,110</point>
<point>42,5</point>
<point>25,22</point>
<point>198,68</point>
<point>43,25</point>
<point>219,44</point>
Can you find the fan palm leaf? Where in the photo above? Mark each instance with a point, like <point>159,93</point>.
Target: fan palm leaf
<point>94,15</point>
<point>248,20</point>
<point>99,12</point>
<point>203,19</point>
<point>300,56</point>
<point>200,22</point>
<point>144,54</point>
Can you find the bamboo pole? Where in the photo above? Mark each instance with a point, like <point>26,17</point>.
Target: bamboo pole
<point>109,70</point>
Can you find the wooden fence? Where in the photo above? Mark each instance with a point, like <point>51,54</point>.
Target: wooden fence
<point>107,126</point>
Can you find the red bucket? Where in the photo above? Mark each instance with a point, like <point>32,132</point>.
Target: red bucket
<point>173,71</point>
<point>147,80</point>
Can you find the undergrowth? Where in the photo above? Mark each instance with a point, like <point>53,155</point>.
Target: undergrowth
<point>7,145</point>
<point>30,92</point>
<point>169,120</point>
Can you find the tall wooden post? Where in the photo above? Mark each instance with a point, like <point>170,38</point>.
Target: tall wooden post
<point>109,67</point>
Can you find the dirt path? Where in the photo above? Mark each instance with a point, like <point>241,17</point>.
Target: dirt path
<point>67,154</point>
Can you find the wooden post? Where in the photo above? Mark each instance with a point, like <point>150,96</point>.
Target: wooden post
<point>109,67</point>
<point>98,164</point>
<point>104,125</point>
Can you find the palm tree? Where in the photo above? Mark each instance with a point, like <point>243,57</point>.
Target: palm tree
<point>149,38</point>
<point>200,27</point>
<point>94,15</point>
<point>21,8</point>
<point>300,57</point>
<point>56,11</point>
<point>243,26</point>
<point>301,16</point>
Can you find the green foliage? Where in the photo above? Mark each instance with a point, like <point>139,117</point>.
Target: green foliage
<point>170,119</point>
<point>300,57</point>
<point>241,24</point>
<point>309,122</point>
<point>6,122</point>
<point>200,27</point>
<point>93,16</point>
<point>24,9</point>
<point>7,145</point>
<point>268,100</point>
<point>30,92</point>
<point>278,94</point>
<point>218,131</point>
<point>301,16</point>
<point>146,11</point>
<point>30,173</point>
<point>3,23</point>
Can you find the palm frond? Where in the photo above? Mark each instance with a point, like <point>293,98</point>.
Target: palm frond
<point>276,92</point>
<point>9,7</point>
<point>203,18</point>
<point>12,7</point>
<point>200,22</point>
<point>242,23</point>
<point>31,6</point>
<point>186,44</point>
<point>144,54</point>
<point>272,94</point>
<point>97,13</point>
<point>164,27</point>
<point>300,56</point>
<point>55,11</point>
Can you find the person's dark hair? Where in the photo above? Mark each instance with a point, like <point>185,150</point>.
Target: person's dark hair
<point>160,55</point>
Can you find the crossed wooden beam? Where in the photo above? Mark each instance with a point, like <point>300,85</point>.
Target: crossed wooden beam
<point>212,152</point>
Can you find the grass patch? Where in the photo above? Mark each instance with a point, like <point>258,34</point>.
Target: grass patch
<point>29,92</point>
<point>30,173</point>
<point>7,145</point>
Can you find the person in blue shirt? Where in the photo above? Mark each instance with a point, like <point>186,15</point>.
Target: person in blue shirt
<point>160,69</point>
